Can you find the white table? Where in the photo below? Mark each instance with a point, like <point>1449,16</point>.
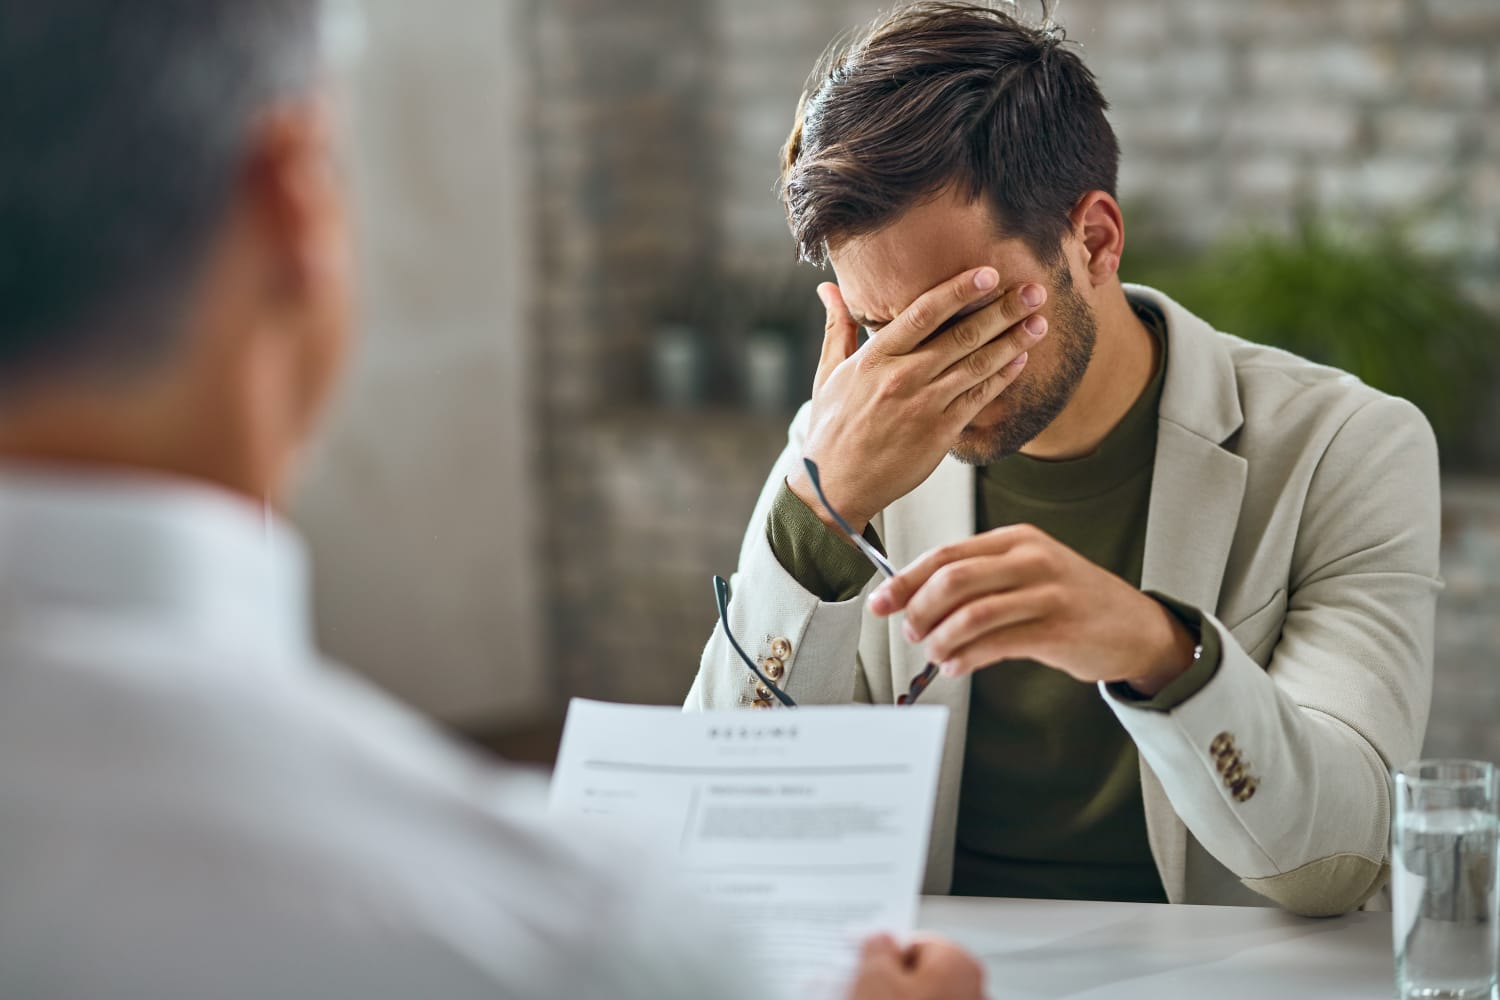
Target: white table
<point>1038,949</point>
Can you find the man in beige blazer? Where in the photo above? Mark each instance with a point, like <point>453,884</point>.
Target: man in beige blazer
<point>1180,587</point>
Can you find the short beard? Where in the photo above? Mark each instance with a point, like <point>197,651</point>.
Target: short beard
<point>1036,403</point>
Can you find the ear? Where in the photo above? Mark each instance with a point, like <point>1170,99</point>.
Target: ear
<point>297,238</point>
<point>1100,228</point>
<point>292,194</point>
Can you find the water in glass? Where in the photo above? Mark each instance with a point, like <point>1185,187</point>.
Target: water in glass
<point>1443,887</point>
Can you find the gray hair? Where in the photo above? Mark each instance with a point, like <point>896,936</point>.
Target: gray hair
<point>124,130</point>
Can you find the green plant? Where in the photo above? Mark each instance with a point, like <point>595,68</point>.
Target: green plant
<point>1370,304</point>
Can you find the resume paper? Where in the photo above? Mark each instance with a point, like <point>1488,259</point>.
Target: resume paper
<point>808,825</point>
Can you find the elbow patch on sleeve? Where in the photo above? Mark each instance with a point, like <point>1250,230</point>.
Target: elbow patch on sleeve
<point>1327,887</point>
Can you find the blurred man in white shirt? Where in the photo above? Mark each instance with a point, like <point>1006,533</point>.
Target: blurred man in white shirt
<point>192,804</point>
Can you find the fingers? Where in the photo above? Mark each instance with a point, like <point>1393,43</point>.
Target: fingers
<point>956,586</point>
<point>896,593</point>
<point>913,954</point>
<point>840,333</point>
<point>971,403</point>
<point>929,969</point>
<point>880,971</point>
<point>1026,641</point>
<point>879,949</point>
<point>970,621</point>
<point>973,331</point>
<point>934,308</point>
<point>942,969</point>
<point>990,367</point>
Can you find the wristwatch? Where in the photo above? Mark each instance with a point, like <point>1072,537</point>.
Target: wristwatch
<point>1189,620</point>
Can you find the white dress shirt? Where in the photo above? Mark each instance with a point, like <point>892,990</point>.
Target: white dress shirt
<point>193,805</point>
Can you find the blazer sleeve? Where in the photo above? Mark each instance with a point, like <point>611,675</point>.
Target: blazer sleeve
<point>774,616</point>
<point>1281,772</point>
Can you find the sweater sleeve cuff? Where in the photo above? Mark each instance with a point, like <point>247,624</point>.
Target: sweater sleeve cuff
<point>1196,677</point>
<point>819,558</point>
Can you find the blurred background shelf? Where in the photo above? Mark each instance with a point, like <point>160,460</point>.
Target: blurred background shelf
<point>658,502</point>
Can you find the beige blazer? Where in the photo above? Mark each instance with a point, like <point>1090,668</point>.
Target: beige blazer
<point>1299,509</point>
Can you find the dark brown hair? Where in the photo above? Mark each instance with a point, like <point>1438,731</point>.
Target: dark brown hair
<point>942,94</point>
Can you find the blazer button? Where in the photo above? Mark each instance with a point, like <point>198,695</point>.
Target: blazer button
<point>1222,744</point>
<point>1227,761</point>
<point>1244,789</point>
<point>781,647</point>
<point>774,666</point>
<point>1238,772</point>
<point>761,703</point>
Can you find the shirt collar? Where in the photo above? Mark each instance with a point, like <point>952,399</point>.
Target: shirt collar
<point>174,553</point>
<point>1201,393</point>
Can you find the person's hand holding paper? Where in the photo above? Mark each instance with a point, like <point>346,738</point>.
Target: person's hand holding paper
<point>927,969</point>
<point>809,828</point>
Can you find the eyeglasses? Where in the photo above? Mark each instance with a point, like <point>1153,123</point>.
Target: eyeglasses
<point>919,683</point>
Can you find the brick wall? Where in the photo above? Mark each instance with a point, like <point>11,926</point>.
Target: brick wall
<point>1228,112</point>
<point>622,175</point>
<point>658,124</point>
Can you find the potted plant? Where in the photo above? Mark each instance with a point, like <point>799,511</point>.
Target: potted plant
<point>1366,302</point>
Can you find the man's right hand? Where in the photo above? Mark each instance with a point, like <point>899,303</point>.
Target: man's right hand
<point>929,969</point>
<point>885,414</point>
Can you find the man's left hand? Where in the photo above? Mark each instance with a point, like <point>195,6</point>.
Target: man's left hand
<point>1017,593</point>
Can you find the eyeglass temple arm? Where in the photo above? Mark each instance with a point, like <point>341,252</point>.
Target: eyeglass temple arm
<point>923,680</point>
<point>919,683</point>
<point>721,597</point>
<point>860,542</point>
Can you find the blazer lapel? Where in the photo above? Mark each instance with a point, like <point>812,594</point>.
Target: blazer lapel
<point>1196,491</point>
<point>939,511</point>
<point>1197,488</point>
<point>936,513</point>
<point>1197,484</point>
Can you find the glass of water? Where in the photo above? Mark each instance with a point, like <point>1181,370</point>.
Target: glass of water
<point>1444,882</point>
